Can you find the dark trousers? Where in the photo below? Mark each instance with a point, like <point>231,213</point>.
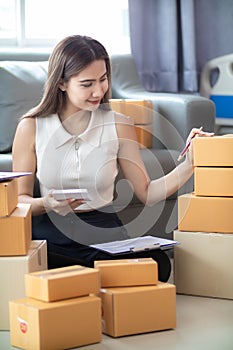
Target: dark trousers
<point>66,250</point>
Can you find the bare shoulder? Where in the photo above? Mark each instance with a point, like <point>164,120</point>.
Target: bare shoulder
<point>125,126</point>
<point>25,133</point>
<point>27,124</point>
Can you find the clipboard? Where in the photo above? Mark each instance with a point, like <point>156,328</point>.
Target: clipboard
<point>132,245</point>
<point>10,175</point>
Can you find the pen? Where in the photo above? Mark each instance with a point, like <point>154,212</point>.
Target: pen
<point>183,152</point>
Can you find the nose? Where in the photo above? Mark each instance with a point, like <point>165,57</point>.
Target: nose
<point>98,90</point>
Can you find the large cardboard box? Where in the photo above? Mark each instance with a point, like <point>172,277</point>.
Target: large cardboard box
<point>62,283</point>
<point>205,214</point>
<point>203,264</point>
<point>213,181</point>
<point>141,309</point>
<point>16,231</point>
<point>36,325</point>
<point>12,272</point>
<point>141,112</point>
<point>8,197</point>
<point>127,272</point>
<point>213,151</point>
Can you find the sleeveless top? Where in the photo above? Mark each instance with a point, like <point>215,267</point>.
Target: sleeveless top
<point>88,160</point>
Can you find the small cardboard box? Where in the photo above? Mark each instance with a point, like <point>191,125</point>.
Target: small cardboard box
<point>16,231</point>
<point>127,272</point>
<point>203,264</point>
<point>141,309</point>
<point>8,197</point>
<point>141,112</point>
<point>12,271</point>
<point>205,214</point>
<point>213,151</point>
<point>36,325</point>
<point>62,283</point>
<point>213,181</point>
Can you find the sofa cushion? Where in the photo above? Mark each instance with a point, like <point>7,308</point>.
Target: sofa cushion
<point>21,88</point>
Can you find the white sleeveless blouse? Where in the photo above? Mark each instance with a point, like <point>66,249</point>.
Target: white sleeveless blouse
<point>89,160</point>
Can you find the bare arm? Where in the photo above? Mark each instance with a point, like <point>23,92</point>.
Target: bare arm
<point>150,191</point>
<point>24,159</point>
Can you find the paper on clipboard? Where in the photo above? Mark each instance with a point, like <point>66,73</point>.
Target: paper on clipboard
<point>137,244</point>
<point>10,175</point>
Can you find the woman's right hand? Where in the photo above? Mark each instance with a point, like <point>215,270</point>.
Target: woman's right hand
<point>63,207</point>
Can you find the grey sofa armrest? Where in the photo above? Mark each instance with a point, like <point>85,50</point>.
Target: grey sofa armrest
<point>174,114</point>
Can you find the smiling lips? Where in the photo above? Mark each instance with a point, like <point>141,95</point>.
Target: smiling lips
<point>96,102</point>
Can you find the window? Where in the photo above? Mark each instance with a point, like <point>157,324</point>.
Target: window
<point>37,23</point>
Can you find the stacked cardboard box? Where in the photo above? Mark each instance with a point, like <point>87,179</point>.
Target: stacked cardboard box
<point>60,310</point>
<point>133,300</point>
<point>18,253</point>
<point>15,221</point>
<point>203,262</point>
<point>141,112</point>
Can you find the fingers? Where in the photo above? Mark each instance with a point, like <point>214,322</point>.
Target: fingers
<point>199,132</point>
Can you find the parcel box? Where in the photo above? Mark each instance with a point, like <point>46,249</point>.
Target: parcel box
<point>134,310</point>
<point>16,231</point>
<point>213,181</point>
<point>205,214</point>
<point>8,197</point>
<point>203,264</point>
<point>213,151</point>
<point>141,112</point>
<point>36,325</point>
<point>62,283</point>
<point>127,272</point>
<point>12,271</point>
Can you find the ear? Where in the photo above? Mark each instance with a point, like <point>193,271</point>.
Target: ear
<point>62,86</point>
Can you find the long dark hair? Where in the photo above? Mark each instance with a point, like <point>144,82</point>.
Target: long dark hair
<point>69,57</point>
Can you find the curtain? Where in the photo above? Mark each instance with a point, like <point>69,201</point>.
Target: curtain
<point>171,40</point>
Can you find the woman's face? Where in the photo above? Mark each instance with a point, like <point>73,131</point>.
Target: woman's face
<point>85,90</point>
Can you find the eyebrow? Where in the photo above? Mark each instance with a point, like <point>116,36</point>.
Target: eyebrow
<point>88,80</point>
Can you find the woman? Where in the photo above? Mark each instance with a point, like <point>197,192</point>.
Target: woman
<point>72,139</point>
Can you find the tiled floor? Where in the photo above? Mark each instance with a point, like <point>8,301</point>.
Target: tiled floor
<point>202,324</point>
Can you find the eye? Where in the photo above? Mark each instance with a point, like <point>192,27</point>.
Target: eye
<point>104,79</point>
<point>86,85</point>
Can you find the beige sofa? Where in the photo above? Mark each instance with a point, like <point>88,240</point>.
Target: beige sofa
<point>22,76</point>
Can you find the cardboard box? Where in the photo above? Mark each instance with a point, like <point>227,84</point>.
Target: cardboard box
<point>141,112</point>
<point>62,283</point>
<point>8,197</point>
<point>134,310</point>
<point>12,271</point>
<point>213,151</point>
<point>203,264</point>
<point>36,325</point>
<point>16,231</point>
<point>127,272</point>
<point>205,214</point>
<point>213,181</point>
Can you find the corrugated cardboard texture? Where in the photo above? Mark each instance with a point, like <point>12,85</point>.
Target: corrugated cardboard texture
<point>12,272</point>
<point>203,264</point>
<point>127,272</point>
<point>36,325</point>
<point>16,231</point>
<point>213,151</point>
<point>8,197</point>
<point>213,181</point>
<point>205,214</point>
<point>62,283</point>
<point>135,310</point>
